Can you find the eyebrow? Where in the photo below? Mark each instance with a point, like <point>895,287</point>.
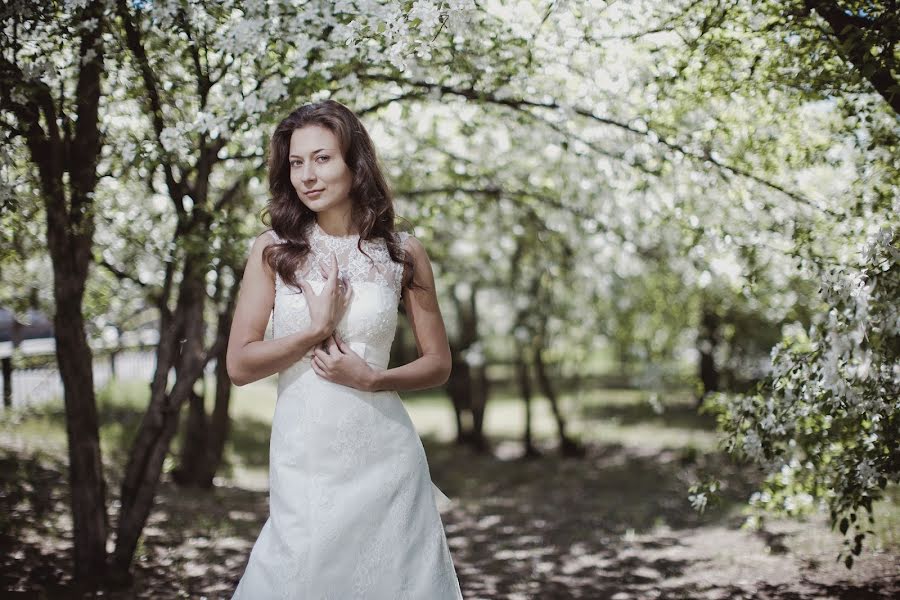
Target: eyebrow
<point>314,151</point>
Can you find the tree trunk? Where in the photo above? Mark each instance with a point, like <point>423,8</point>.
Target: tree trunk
<point>194,441</point>
<point>86,481</point>
<point>468,393</point>
<point>65,146</point>
<point>183,330</point>
<point>480,392</point>
<point>204,440</point>
<point>220,425</point>
<point>859,49</point>
<point>525,390</point>
<point>568,446</point>
<point>7,382</point>
<point>458,387</point>
<point>708,340</point>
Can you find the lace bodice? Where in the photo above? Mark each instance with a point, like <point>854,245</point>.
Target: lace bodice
<point>370,321</point>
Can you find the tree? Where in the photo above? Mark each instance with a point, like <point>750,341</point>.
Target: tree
<point>54,106</point>
<point>823,422</point>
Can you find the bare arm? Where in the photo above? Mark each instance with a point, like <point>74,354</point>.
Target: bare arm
<point>432,368</point>
<point>249,357</point>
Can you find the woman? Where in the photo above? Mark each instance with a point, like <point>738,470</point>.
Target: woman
<point>352,507</point>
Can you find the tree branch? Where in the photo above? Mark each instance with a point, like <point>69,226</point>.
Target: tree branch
<point>133,40</point>
<point>857,48</point>
<point>522,104</point>
<point>120,274</point>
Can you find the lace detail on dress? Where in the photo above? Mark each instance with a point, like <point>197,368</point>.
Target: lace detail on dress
<point>372,264</point>
<point>370,321</point>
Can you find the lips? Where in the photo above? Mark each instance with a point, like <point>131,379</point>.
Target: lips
<point>315,192</point>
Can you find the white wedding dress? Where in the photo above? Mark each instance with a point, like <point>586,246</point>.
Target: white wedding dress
<point>352,509</point>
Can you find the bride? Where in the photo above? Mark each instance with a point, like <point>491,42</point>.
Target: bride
<point>352,509</point>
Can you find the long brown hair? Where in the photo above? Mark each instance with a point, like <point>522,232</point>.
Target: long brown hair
<point>372,207</point>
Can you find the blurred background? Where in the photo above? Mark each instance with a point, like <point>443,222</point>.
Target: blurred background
<point>667,250</point>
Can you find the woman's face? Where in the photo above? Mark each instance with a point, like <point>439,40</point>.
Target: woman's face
<point>318,171</point>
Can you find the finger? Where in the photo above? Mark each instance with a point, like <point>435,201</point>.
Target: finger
<point>331,282</point>
<point>320,354</point>
<point>319,369</point>
<point>333,267</point>
<point>339,342</point>
<point>304,286</point>
<point>333,347</point>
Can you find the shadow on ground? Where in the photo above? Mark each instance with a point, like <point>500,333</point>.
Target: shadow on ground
<point>616,524</point>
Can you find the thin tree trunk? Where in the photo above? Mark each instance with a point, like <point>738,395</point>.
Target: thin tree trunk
<point>205,437</point>
<point>480,393</point>
<point>458,387</point>
<point>525,390</point>
<point>568,446</point>
<point>160,423</point>
<point>194,442</point>
<point>7,382</point>
<point>708,341</point>
<point>220,425</point>
<point>468,393</point>
<point>478,383</point>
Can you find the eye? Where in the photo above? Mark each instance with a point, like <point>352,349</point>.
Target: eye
<point>294,163</point>
<point>322,156</point>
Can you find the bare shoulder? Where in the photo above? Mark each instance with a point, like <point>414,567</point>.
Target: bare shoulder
<point>265,238</point>
<point>414,247</point>
<point>260,243</point>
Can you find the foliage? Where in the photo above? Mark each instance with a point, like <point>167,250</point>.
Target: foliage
<point>797,97</point>
<point>826,425</point>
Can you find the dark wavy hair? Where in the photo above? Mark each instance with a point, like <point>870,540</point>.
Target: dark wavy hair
<point>372,208</point>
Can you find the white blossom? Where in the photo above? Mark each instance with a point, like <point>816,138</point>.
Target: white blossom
<point>698,500</point>
<point>752,444</point>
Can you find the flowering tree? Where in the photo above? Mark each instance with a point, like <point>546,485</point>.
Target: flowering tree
<point>51,69</point>
<point>824,422</point>
<point>826,427</point>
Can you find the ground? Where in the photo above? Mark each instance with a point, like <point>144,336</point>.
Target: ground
<point>615,524</point>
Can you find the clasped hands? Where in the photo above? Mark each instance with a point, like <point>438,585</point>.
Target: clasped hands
<point>333,359</point>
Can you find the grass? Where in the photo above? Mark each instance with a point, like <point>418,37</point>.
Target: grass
<point>624,418</point>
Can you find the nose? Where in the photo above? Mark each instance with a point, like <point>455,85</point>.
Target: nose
<point>308,174</point>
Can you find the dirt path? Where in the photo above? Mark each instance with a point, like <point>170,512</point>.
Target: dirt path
<point>619,526</point>
<point>615,525</point>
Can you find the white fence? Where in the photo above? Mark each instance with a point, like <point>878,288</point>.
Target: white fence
<point>31,387</point>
